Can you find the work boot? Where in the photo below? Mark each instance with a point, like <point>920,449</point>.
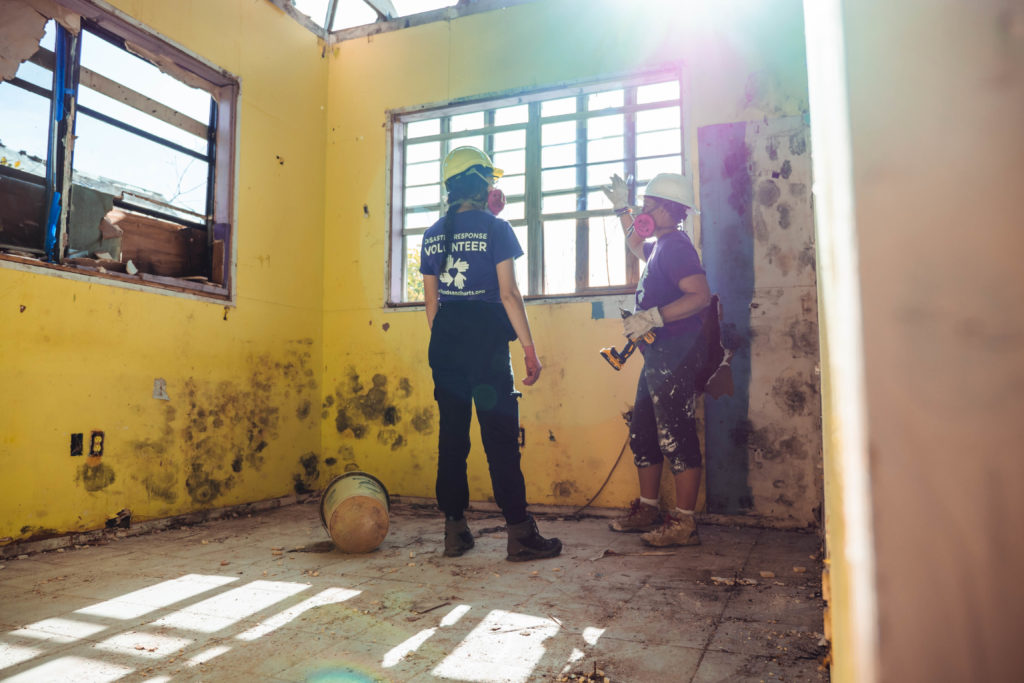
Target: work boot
<point>457,537</point>
<point>681,530</point>
<point>525,542</point>
<point>641,517</point>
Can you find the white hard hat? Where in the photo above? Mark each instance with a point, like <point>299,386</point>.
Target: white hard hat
<point>673,187</point>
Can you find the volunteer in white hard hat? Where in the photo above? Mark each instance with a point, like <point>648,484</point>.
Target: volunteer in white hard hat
<point>670,297</point>
<point>474,309</point>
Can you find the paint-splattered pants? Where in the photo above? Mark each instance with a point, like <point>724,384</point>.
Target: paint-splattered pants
<point>470,363</point>
<point>664,425</point>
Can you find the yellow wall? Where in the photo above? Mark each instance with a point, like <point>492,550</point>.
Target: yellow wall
<point>745,62</point>
<point>244,381</point>
<point>309,335</point>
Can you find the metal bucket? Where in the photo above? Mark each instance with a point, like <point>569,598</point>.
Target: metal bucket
<point>354,511</point>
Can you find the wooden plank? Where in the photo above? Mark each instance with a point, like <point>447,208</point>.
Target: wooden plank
<point>133,99</point>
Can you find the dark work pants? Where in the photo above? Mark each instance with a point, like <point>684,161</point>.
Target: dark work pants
<point>664,424</point>
<point>470,363</point>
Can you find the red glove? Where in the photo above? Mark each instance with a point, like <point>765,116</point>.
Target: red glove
<point>532,365</point>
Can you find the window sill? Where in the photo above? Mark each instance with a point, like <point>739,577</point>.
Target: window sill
<point>603,296</point>
<point>143,281</point>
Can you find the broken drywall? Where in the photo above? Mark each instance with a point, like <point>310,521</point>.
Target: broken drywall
<point>21,29</point>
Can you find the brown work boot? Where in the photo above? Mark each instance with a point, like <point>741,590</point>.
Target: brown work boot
<point>641,517</point>
<point>681,530</point>
<point>457,537</point>
<point>525,542</point>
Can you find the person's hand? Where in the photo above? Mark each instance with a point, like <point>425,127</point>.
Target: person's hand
<point>532,365</point>
<point>642,322</point>
<point>617,193</point>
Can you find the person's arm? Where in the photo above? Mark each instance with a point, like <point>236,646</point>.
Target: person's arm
<point>430,300</point>
<point>634,241</point>
<point>512,300</point>
<point>696,297</point>
<point>618,194</point>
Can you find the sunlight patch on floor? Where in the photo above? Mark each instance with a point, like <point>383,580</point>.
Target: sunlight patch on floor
<point>504,647</point>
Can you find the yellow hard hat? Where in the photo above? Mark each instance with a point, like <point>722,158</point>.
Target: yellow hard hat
<point>461,159</point>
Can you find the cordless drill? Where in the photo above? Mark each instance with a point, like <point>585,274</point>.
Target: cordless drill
<point>617,359</point>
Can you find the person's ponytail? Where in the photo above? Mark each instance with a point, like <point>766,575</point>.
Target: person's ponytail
<point>466,188</point>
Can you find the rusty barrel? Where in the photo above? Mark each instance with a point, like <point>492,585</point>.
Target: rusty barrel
<point>354,511</point>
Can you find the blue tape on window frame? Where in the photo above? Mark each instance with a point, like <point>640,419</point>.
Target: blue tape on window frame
<point>59,93</point>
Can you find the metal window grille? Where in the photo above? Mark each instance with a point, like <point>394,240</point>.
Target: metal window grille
<point>557,148</point>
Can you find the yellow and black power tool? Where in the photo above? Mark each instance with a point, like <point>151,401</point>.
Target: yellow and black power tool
<point>617,359</point>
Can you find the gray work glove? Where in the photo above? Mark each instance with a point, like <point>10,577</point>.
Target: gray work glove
<point>642,322</point>
<point>617,193</point>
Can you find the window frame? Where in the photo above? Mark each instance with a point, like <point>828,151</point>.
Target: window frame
<point>220,219</point>
<point>397,119</point>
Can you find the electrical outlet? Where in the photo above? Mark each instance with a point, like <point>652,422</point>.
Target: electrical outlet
<point>77,444</point>
<point>96,444</point>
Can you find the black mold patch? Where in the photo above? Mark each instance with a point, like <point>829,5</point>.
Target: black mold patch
<point>768,443</point>
<point>96,477</point>
<point>784,219</point>
<point>405,386</point>
<point>375,400</point>
<point>787,169</point>
<point>330,462</point>
<point>236,464</point>
<point>304,408</point>
<point>306,482</point>
<point>807,258</point>
<point>790,394</point>
<point>768,193</point>
<point>803,336</point>
<point>563,489</point>
<point>423,421</point>
<point>797,144</point>
<point>202,487</point>
<point>328,401</point>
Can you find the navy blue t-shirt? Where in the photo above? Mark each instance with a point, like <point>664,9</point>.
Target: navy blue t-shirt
<point>669,260</point>
<point>479,243</point>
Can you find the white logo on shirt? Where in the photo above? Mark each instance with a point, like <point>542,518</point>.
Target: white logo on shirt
<point>458,265</point>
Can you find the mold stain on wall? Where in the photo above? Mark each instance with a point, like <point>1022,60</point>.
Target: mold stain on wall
<point>382,409</point>
<point>223,428</point>
<point>95,475</point>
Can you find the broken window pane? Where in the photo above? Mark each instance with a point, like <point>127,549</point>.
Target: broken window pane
<point>114,160</point>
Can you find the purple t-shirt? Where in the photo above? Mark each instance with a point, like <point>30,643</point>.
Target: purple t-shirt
<point>479,243</point>
<point>669,260</point>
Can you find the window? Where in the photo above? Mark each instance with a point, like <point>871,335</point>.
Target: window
<point>557,149</point>
<point>133,179</point>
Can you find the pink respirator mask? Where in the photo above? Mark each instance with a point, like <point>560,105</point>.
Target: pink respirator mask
<point>495,201</point>
<point>644,225</point>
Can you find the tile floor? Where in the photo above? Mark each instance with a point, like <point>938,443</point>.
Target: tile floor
<point>264,597</point>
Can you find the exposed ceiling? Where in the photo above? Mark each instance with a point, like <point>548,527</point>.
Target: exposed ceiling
<point>336,20</point>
